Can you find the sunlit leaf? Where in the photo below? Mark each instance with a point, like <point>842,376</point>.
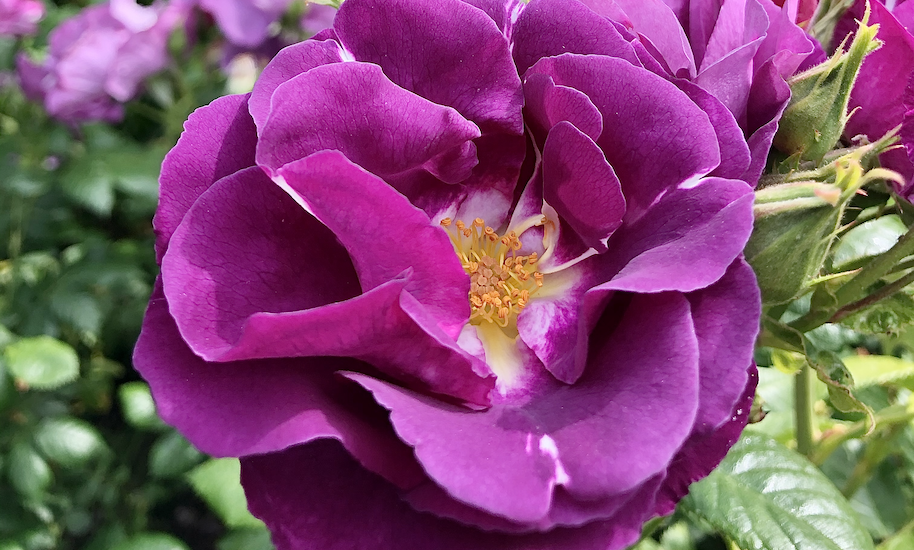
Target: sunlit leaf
<point>217,481</point>
<point>42,362</point>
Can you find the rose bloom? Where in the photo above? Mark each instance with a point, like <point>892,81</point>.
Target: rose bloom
<point>99,58</point>
<point>458,275</point>
<point>741,51</point>
<point>878,94</point>
<point>246,23</point>
<point>20,17</point>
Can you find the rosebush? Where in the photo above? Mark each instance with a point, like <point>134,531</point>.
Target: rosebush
<point>458,274</point>
<point>99,59</point>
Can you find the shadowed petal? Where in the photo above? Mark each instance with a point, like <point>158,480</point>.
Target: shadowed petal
<point>218,140</point>
<point>296,400</point>
<point>383,233</point>
<point>309,495</point>
<point>646,391</point>
<point>542,30</point>
<point>653,136</point>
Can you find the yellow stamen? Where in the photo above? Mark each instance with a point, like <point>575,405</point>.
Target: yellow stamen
<point>501,281</point>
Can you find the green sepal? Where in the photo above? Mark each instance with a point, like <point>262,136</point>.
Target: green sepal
<point>815,117</point>
<point>831,370</point>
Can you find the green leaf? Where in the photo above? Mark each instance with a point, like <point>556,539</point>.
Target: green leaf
<point>869,370</point>
<point>28,472</point>
<point>867,240</point>
<point>151,541</point>
<point>840,383</point>
<point>767,497</point>
<point>138,407</point>
<point>218,482</point>
<point>246,539</point>
<point>42,362</point>
<point>69,441</point>
<point>172,455</point>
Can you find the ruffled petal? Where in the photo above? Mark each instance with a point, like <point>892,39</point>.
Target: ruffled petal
<point>383,233</point>
<point>659,137</point>
<point>684,242</point>
<point>309,495</point>
<point>218,140</point>
<point>657,23</point>
<point>297,400</point>
<point>286,65</point>
<point>548,28</point>
<point>355,109</point>
<point>447,52</point>
<point>559,435</point>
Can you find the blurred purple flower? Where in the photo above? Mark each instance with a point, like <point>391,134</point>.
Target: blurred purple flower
<point>878,94</point>
<point>317,17</point>
<point>20,17</point>
<point>741,51</point>
<point>246,23</point>
<point>441,296</point>
<point>99,59</point>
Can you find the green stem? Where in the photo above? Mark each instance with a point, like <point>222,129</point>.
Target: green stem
<point>804,397</point>
<point>880,294</point>
<point>884,418</point>
<point>857,286</point>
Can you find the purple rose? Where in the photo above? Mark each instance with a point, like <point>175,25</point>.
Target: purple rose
<point>741,51</point>
<point>246,23</point>
<point>99,59</point>
<point>437,295</point>
<point>20,17</point>
<point>878,94</point>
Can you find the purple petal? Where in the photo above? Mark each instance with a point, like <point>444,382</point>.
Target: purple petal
<point>383,233</point>
<point>297,400</point>
<point>552,27</point>
<point>642,379</point>
<point>355,109</point>
<point>659,137</point>
<point>705,449</point>
<point>581,186</point>
<point>446,51</point>
<point>658,24</point>
<point>309,496</point>
<point>734,151</point>
<point>503,12</point>
<point>287,64</point>
<point>245,22</point>
<point>218,140</point>
<point>548,104</point>
<point>768,98</point>
<point>725,316</point>
<point>685,242</point>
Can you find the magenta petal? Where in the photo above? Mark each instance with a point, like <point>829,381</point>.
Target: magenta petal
<point>656,21</point>
<point>297,400</point>
<point>552,27</point>
<point>560,435</point>
<point>705,449</point>
<point>768,98</point>
<point>287,64</point>
<point>447,52</point>
<point>684,242</point>
<point>725,316</point>
<point>581,186</point>
<point>218,140</point>
<point>355,109</point>
<point>659,137</point>
<point>548,104</point>
<point>383,233</point>
<point>309,495</point>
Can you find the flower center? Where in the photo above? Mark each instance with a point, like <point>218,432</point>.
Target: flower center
<point>501,281</point>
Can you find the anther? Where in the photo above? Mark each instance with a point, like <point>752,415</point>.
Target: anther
<point>446,222</point>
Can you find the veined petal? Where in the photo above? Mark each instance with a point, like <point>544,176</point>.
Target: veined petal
<point>355,109</point>
<point>297,400</point>
<point>218,140</point>
<point>383,233</point>
<point>286,65</point>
